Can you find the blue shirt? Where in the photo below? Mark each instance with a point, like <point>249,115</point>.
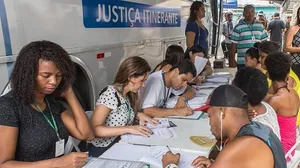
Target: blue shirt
<point>201,34</point>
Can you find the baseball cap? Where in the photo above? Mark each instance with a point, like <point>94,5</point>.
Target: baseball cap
<point>260,13</point>
<point>227,96</point>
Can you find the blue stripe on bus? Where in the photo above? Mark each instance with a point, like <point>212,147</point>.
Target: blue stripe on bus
<point>6,35</point>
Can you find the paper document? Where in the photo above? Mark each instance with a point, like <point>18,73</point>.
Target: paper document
<point>193,103</point>
<point>195,116</point>
<point>158,133</point>
<point>148,154</point>
<point>163,123</point>
<point>220,74</point>
<point>218,80</point>
<point>154,157</point>
<point>206,85</point>
<point>200,64</point>
<point>100,163</point>
<point>124,151</point>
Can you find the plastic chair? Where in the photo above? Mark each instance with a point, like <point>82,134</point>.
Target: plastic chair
<point>73,142</point>
<point>295,160</point>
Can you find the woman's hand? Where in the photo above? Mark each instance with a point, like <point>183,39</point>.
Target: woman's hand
<point>72,160</point>
<point>146,119</point>
<point>139,130</point>
<point>67,93</point>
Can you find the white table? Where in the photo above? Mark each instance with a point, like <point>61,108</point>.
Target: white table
<point>184,130</point>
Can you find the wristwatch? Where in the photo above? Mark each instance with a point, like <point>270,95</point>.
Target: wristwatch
<point>172,166</point>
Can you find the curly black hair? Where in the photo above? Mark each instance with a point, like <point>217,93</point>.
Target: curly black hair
<point>278,66</point>
<point>24,74</point>
<point>253,51</point>
<point>253,82</point>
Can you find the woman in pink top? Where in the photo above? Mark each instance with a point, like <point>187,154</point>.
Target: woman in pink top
<point>285,100</point>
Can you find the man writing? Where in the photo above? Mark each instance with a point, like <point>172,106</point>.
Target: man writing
<point>160,85</point>
<point>251,144</point>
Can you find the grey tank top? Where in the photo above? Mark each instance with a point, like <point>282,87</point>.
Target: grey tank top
<point>263,133</point>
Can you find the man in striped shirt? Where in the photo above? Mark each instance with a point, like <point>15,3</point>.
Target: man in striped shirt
<point>244,35</point>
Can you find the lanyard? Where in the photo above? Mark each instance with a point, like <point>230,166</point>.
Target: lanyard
<point>129,110</point>
<point>53,125</point>
<point>165,95</point>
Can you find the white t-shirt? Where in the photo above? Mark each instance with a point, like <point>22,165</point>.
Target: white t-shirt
<point>269,119</point>
<point>121,115</point>
<point>155,93</point>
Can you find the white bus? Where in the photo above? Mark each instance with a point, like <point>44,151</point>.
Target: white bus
<point>98,34</point>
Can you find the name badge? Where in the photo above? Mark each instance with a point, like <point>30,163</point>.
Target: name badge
<point>59,147</point>
<point>253,37</point>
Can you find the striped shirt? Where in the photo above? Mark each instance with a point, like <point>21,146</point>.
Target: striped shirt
<point>245,36</point>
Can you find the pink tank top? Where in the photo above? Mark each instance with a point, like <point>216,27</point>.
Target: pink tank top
<point>288,132</point>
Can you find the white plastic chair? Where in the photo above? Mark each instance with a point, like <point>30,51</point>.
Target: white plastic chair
<point>295,160</point>
<point>73,142</point>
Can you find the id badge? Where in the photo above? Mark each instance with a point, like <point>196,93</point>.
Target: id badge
<point>59,147</point>
<point>253,38</point>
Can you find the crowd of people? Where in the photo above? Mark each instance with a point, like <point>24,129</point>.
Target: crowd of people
<point>256,114</point>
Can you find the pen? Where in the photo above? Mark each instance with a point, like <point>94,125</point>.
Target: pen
<point>169,148</point>
<point>187,103</point>
<point>141,144</point>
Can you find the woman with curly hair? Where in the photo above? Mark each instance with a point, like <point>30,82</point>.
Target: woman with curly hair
<point>34,125</point>
<point>285,100</point>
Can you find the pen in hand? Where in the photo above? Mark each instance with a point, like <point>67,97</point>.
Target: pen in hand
<point>169,148</point>
<point>187,104</point>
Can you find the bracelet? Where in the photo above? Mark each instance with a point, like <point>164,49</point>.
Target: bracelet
<point>172,165</point>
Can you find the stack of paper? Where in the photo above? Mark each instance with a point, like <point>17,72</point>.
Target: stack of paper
<point>97,162</point>
<point>200,64</point>
<point>158,133</point>
<point>149,154</point>
<point>193,103</point>
<point>220,74</point>
<point>222,80</point>
<point>195,116</point>
<point>163,123</point>
<point>207,85</point>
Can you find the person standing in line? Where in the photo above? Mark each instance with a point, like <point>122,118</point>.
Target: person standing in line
<point>227,111</point>
<point>292,44</point>
<point>288,23</point>
<point>226,31</point>
<point>223,44</point>
<point>262,19</point>
<point>244,35</point>
<point>276,29</point>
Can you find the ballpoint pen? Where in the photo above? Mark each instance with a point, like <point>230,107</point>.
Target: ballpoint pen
<point>187,103</point>
<point>169,148</point>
